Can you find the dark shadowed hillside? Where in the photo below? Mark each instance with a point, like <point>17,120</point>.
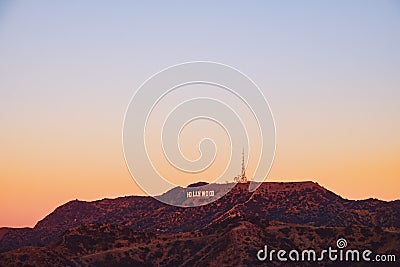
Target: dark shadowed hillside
<point>143,231</point>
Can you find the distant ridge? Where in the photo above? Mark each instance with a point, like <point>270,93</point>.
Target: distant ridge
<point>299,203</point>
<point>198,184</point>
<point>294,202</point>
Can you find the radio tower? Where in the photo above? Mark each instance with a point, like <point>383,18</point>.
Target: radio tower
<point>242,177</point>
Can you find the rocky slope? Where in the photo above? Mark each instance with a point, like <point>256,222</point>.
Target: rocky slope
<point>141,221</point>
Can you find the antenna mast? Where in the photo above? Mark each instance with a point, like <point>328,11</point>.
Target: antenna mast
<point>242,177</point>
<point>243,167</point>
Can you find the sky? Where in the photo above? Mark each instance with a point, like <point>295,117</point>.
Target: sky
<point>68,69</point>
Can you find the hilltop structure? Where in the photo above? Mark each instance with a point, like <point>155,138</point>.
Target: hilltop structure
<point>241,178</point>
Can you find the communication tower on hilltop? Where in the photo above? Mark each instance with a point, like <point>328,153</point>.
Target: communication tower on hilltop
<point>242,177</point>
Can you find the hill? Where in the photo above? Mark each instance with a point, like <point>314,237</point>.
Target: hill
<point>132,229</point>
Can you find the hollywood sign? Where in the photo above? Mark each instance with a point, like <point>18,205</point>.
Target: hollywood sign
<point>200,194</point>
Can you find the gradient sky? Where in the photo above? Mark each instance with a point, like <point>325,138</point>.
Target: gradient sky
<point>329,69</point>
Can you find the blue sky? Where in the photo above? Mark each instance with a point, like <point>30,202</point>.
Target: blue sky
<point>329,69</point>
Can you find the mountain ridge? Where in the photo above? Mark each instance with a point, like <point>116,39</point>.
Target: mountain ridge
<point>299,203</point>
